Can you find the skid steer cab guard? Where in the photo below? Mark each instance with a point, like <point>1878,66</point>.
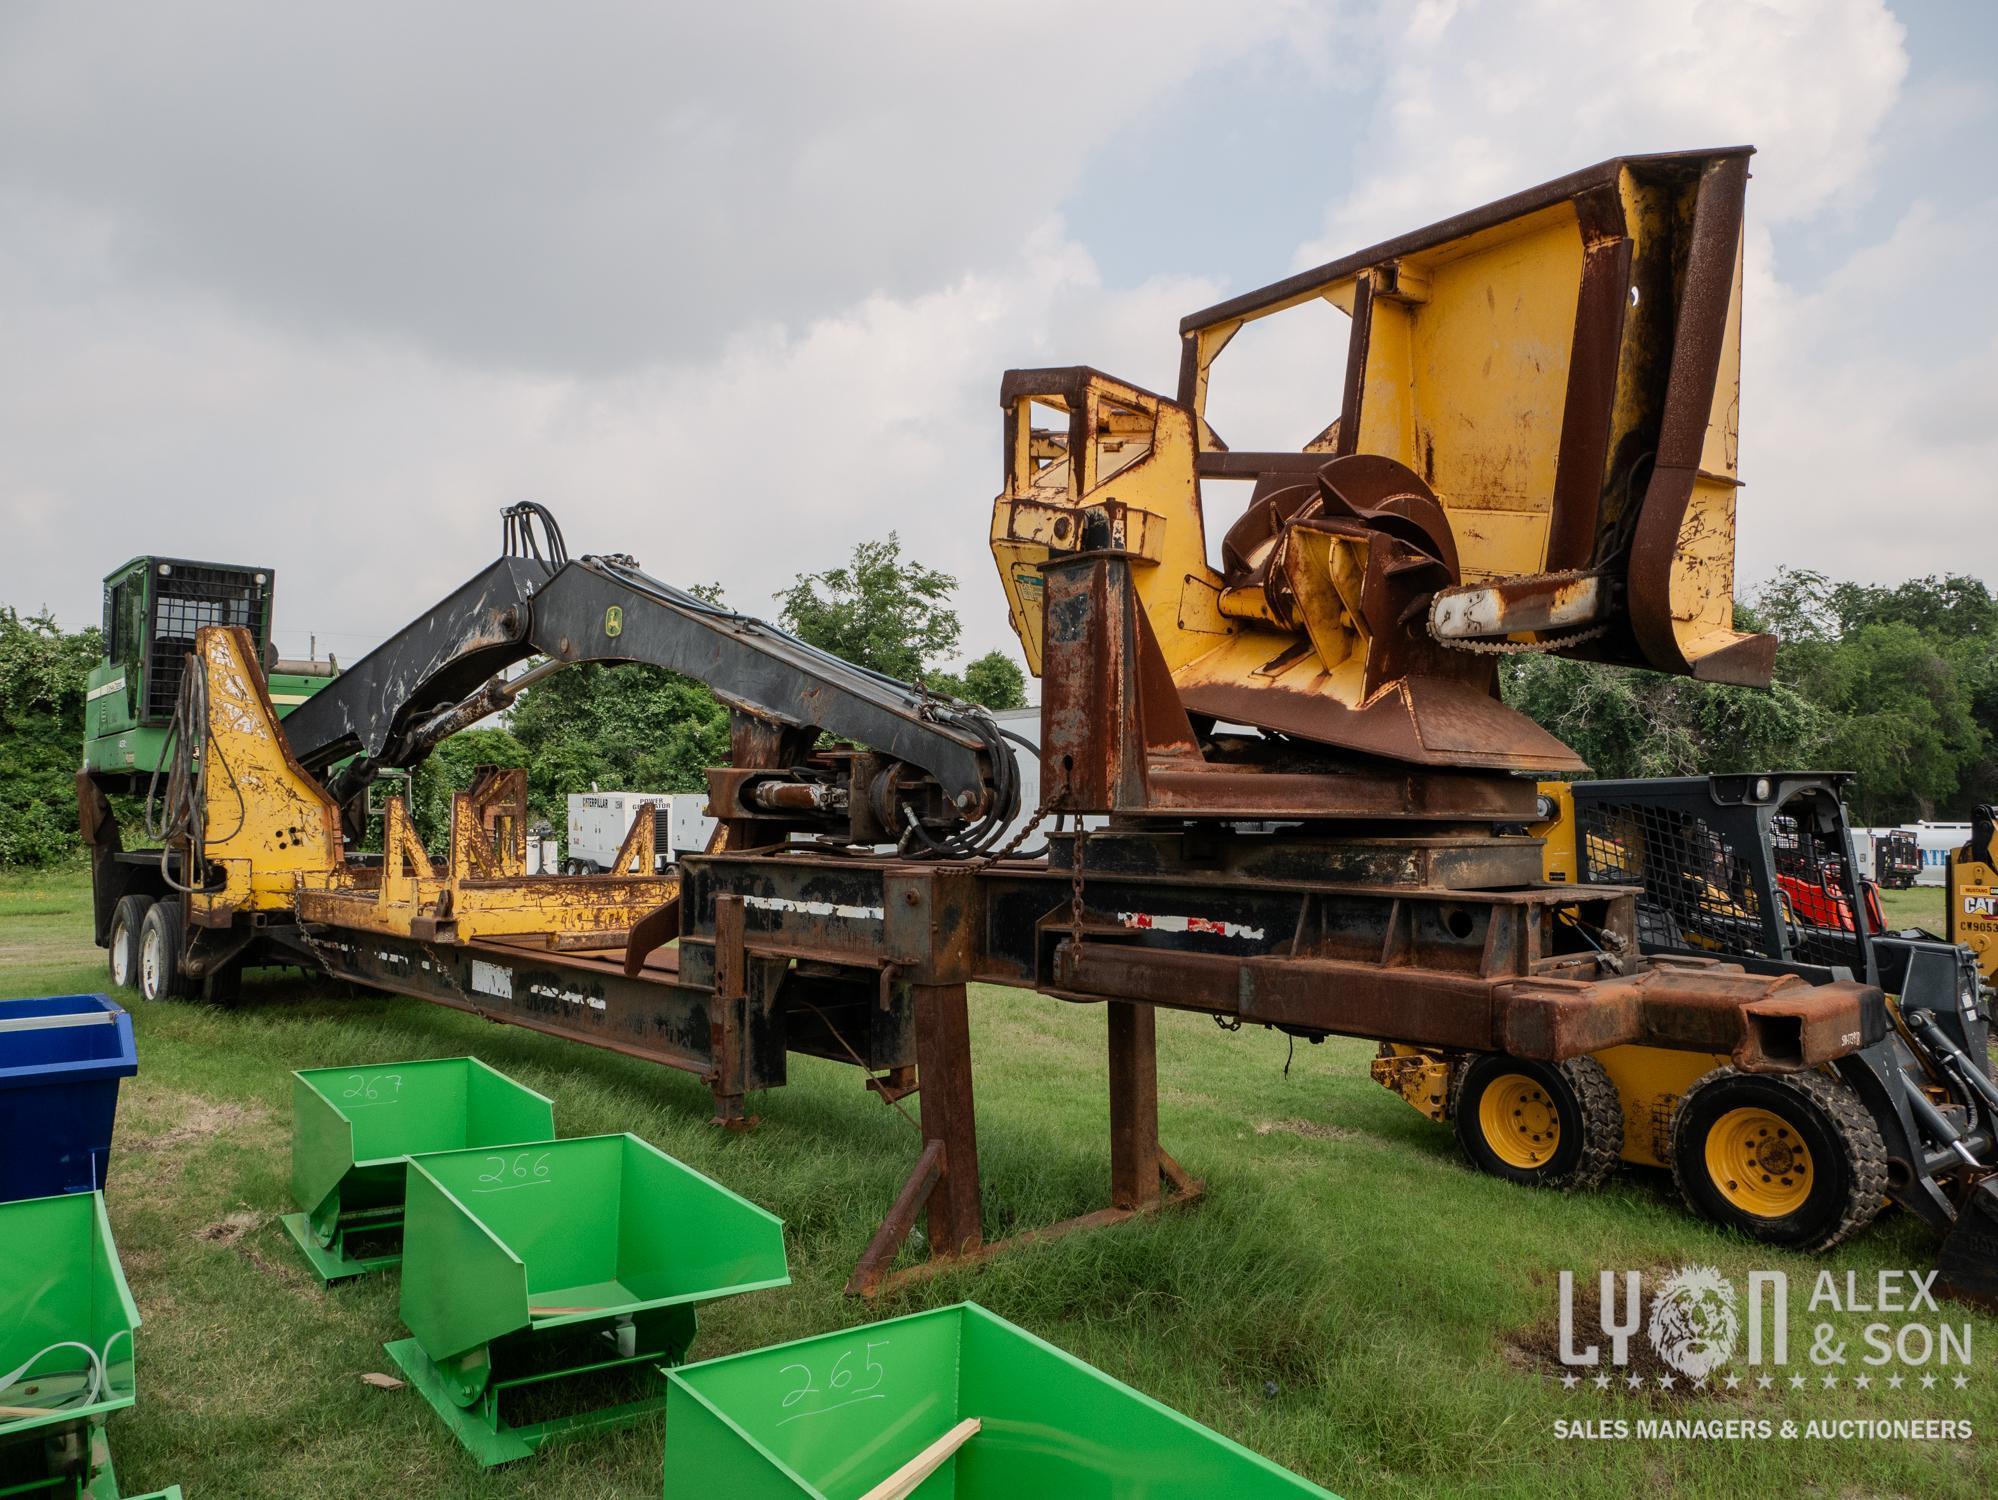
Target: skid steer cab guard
<point>1757,869</point>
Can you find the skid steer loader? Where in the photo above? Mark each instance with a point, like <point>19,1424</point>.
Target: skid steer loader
<point>1759,870</point>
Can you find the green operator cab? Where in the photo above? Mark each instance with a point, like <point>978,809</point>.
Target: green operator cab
<point>152,607</point>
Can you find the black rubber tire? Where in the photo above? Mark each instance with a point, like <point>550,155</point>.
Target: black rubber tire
<point>161,943</point>
<point>121,954</point>
<point>1585,1101</point>
<point>1848,1160</point>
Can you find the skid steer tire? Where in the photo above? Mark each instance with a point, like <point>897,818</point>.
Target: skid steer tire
<point>1791,1159</point>
<point>1552,1125</point>
<point>128,917</point>
<point>161,943</point>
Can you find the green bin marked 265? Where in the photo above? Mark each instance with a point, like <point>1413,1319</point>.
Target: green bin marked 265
<point>955,1402</point>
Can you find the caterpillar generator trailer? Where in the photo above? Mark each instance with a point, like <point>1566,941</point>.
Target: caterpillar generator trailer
<point>1758,870</point>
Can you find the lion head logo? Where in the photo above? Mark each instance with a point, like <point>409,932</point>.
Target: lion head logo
<point>1693,1320</point>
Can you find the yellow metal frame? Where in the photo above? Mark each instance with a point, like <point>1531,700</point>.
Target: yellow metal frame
<point>273,837</point>
<point>1476,343</point>
<point>270,828</point>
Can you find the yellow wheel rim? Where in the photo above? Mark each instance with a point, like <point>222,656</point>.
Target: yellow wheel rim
<point>1519,1121</point>
<point>1759,1163</point>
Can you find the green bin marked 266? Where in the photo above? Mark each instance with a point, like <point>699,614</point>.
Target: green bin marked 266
<point>530,1265</point>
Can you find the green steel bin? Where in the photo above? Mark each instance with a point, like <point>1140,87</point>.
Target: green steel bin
<point>526,1268</point>
<point>839,1416</point>
<point>66,1325</point>
<point>352,1129</point>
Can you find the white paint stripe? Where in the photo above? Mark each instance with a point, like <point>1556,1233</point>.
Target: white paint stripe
<point>291,698</point>
<point>105,689</point>
<point>816,908</point>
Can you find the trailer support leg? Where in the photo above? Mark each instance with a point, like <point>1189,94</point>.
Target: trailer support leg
<point>943,1069</point>
<point>1138,1166</point>
<point>1134,1106</point>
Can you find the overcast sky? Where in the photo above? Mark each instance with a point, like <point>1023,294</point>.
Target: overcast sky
<point>730,287</point>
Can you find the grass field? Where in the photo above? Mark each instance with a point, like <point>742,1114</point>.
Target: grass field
<point>1348,1299</point>
<point>1918,906</point>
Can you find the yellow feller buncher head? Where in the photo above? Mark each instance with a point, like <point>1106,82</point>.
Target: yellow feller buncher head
<point>1534,449</point>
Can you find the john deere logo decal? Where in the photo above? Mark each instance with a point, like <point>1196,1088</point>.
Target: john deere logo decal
<point>614,620</point>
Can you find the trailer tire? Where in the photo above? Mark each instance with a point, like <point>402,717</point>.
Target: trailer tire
<point>1553,1125</point>
<point>161,944</point>
<point>1790,1159</point>
<point>122,943</point>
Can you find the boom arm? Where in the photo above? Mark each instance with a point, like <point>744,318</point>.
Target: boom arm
<point>440,674</point>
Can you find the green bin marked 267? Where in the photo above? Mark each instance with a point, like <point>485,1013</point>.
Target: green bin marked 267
<point>353,1128</point>
<point>957,1403</point>
<point>531,1265</point>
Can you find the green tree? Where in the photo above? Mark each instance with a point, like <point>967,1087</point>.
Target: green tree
<point>881,610</point>
<point>1897,684</point>
<point>1628,723</point>
<point>43,674</point>
<point>627,727</point>
<point>994,680</point>
<point>448,769</point>
<point>892,613</point>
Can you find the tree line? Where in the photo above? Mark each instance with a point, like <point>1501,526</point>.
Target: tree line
<point>1897,684</point>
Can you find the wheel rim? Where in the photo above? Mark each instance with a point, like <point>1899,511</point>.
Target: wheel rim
<point>1519,1121</point>
<point>121,953</point>
<point>1759,1163</point>
<point>149,964</point>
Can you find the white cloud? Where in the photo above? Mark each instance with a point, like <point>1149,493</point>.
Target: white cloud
<point>1866,443</point>
<point>1481,99</point>
<point>582,187</point>
<point>369,475</point>
<point>733,300</point>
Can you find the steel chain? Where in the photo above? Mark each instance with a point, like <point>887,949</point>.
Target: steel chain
<point>1075,877</point>
<point>1039,816</point>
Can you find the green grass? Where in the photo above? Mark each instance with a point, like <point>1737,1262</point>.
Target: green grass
<point>1349,1299</point>
<point>1917,906</point>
